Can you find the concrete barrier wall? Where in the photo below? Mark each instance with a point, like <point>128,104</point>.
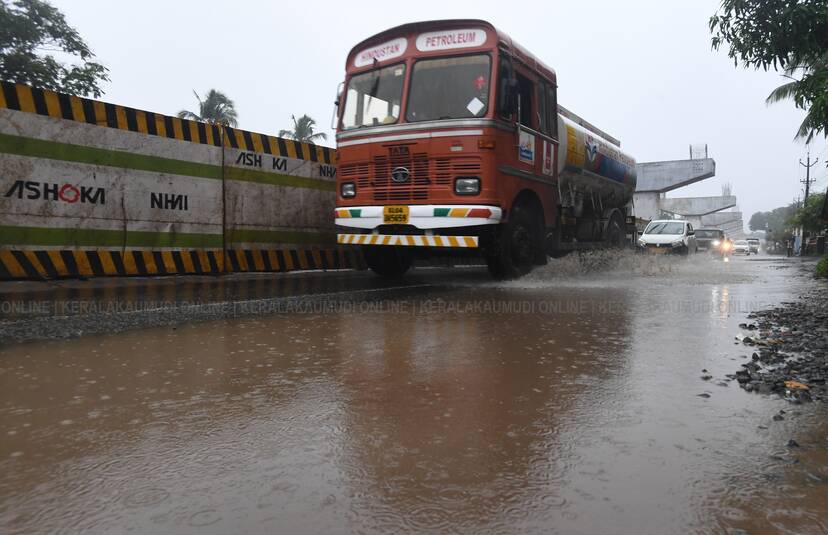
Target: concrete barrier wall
<point>91,188</point>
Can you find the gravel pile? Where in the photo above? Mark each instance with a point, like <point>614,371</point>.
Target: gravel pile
<point>790,349</point>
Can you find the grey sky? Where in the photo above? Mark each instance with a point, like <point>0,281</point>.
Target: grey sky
<point>642,70</point>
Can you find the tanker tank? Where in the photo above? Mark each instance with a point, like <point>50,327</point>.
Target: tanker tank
<point>592,162</point>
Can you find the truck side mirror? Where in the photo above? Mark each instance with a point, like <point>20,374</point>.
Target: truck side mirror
<point>337,102</point>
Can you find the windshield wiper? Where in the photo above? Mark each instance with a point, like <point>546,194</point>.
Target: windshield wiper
<point>375,83</point>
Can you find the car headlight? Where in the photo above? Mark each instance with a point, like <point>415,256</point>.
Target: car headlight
<point>642,243</point>
<point>348,190</point>
<point>467,185</point>
<point>677,243</point>
<point>716,243</point>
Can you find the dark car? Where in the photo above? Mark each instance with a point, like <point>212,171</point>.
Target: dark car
<point>713,241</point>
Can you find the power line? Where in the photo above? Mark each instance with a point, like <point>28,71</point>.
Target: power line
<point>808,180</point>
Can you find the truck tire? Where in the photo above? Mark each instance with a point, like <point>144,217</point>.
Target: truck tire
<point>615,231</point>
<point>387,261</point>
<point>514,247</point>
<point>559,253</point>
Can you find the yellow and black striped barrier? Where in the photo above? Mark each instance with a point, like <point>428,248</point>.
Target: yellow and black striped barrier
<point>72,263</point>
<point>49,248</point>
<point>61,106</point>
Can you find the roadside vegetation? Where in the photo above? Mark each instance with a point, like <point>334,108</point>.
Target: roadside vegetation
<point>780,223</point>
<point>808,216</point>
<point>30,32</point>
<point>214,108</point>
<point>775,223</point>
<point>822,267</point>
<point>303,130</point>
<point>787,36</point>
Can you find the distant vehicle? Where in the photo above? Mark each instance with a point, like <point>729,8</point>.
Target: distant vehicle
<point>741,247</point>
<point>714,241</point>
<point>754,245</point>
<point>668,236</point>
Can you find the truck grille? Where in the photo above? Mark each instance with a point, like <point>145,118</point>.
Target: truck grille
<point>425,173</point>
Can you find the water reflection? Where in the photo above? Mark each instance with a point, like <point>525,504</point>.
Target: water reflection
<point>568,403</point>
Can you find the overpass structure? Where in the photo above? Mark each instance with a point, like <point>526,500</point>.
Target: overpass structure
<point>656,179</point>
<point>696,207</point>
<point>730,222</point>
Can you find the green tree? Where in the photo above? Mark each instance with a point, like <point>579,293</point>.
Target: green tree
<point>758,221</point>
<point>303,130</point>
<point>776,222</point>
<point>29,31</point>
<point>808,89</point>
<point>787,35</point>
<point>809,215</point>
<point>216,108</point>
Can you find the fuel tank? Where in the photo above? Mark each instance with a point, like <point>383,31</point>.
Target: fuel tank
<point>592,163</point>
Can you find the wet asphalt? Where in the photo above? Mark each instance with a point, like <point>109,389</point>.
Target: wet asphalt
<point>590,397</point>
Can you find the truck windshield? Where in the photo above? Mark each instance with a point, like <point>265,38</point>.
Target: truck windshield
<point>373,98</point>
<point>449,88</point>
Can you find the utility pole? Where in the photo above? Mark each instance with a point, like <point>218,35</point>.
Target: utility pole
<point>807,167</point>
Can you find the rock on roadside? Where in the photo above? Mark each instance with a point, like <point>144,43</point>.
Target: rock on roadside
<point>790,349</point>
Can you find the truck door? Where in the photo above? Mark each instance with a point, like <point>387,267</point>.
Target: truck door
<point>548,144</point>
<point>528,156</point>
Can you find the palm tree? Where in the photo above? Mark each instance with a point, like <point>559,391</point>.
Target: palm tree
<point>303,130</point>
<point>216,108</point>
<point>807,92</point>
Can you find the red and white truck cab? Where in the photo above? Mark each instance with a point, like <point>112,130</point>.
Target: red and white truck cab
<point>450,137</point>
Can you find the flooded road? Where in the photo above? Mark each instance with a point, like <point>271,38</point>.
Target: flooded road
<point>571,401</point>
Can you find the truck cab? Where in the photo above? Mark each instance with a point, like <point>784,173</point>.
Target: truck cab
<point>450,138</point>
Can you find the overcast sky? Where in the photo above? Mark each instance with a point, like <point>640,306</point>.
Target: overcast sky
<point>642,70</point>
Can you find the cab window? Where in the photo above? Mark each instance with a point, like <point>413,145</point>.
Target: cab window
<point>373,98</point>
<point>552,110</point>
<point>526,92</point>
<point>503,75</point>
<point>548,110</point>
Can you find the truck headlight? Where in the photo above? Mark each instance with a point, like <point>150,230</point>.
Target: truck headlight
<point>716,243</point>
<point>677,243</point>
<point>348,190</point>
<point>467,185</point>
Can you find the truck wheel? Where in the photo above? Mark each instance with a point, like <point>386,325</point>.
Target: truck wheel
<point>515,245</point>
<point>615,231</point>
<point>387,261</point>
<point>559,253</point>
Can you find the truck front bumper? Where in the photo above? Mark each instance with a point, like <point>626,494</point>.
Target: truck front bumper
<point>407,240</point>
<point>421,216</point>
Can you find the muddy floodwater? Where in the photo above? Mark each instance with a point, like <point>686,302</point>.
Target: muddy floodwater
<point>571,401</point>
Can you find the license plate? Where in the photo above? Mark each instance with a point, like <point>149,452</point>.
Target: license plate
<point>658,250</point>
<point>395,215</point>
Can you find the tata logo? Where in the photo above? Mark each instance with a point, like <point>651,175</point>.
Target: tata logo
<point>400,174</point>
<point>397,152</point>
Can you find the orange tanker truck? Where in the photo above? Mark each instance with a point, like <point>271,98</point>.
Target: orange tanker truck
<point>450,139</point>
